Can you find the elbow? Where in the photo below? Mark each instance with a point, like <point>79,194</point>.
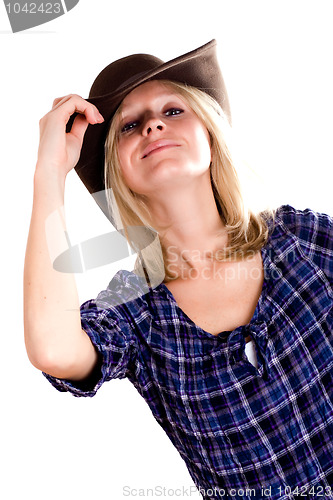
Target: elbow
<point>35,356</point>
<point>48,359</point>
<point>49,364</point>
<point>66,356</point>
<point>42,360</point>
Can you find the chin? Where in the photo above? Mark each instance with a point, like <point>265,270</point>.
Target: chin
<point>178,167</point>
<point>180,178</point>
<point>169,174</point>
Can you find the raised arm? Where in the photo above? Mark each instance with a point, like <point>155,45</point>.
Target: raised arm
<point>54,340</point>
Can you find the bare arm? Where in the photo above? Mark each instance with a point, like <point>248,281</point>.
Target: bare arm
<point>54,339</point>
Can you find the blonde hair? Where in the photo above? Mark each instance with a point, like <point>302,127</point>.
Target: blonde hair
<point>247,229</point>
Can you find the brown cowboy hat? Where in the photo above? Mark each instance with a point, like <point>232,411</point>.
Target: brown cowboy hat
<point>198,68</point>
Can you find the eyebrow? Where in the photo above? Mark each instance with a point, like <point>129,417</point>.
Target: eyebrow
<point>160,96</point>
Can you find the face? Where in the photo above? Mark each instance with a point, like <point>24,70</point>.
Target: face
<point>162,143</point>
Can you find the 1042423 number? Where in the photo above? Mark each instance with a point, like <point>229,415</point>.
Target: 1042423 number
<point>33,8</point>
<point>304,491</point>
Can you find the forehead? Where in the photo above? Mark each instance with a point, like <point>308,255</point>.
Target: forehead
<point>148,91</point>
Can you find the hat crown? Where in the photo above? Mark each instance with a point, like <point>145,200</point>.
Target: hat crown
<point>117,75</point>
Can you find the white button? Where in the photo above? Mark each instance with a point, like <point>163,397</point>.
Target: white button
<point>250,351</point>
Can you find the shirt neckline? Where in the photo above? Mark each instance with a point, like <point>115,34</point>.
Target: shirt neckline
<point>225,333</point>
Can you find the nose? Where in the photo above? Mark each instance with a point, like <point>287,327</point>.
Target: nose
<point>152,124</point>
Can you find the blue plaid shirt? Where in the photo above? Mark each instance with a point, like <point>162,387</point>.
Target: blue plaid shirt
<point>264,432</point>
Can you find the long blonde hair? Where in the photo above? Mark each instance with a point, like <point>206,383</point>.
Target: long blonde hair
<point>247,229</point>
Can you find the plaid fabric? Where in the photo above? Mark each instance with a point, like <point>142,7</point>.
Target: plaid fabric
<point>242,431</point>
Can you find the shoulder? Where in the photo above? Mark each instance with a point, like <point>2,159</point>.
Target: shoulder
<point>308,225</point>
<point>308,230</point>
<point>127,304</point>
<point>124,288</point>
<point>294,217</point>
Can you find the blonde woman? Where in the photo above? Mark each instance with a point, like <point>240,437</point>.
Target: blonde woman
<point>225,324</point>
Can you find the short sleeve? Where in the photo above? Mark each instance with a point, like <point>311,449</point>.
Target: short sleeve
<point>314,231</point>
<point>105,321</point>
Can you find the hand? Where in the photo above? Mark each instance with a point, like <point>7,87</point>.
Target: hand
<point>59,150</point>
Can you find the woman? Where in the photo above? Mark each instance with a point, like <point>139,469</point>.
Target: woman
<point>225,327</point>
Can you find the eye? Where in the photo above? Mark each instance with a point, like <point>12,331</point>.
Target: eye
<point>174,111</point>
<point>129,126</point>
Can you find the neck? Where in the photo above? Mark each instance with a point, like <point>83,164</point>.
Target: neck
<point>188,221</point>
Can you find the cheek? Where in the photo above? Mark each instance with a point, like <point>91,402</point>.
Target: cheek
<point>203,145</point>
<point>128,151</point>
<point>124,157</point>
<point>126,170</point>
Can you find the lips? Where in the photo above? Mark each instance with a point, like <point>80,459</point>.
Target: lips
<point>158,145</point>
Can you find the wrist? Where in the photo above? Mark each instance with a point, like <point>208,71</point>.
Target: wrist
<point>49,176</point>
<point>49,187</point>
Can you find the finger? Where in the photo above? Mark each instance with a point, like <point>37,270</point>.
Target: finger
<point>76,104</point>
<point>61,100</point>
<point>56,101</point>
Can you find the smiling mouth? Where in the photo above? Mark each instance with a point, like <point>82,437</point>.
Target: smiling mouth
<point>158,146</point>
<point>161,148</point>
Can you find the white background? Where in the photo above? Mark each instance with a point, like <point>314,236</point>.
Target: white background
<point>276,59</point>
